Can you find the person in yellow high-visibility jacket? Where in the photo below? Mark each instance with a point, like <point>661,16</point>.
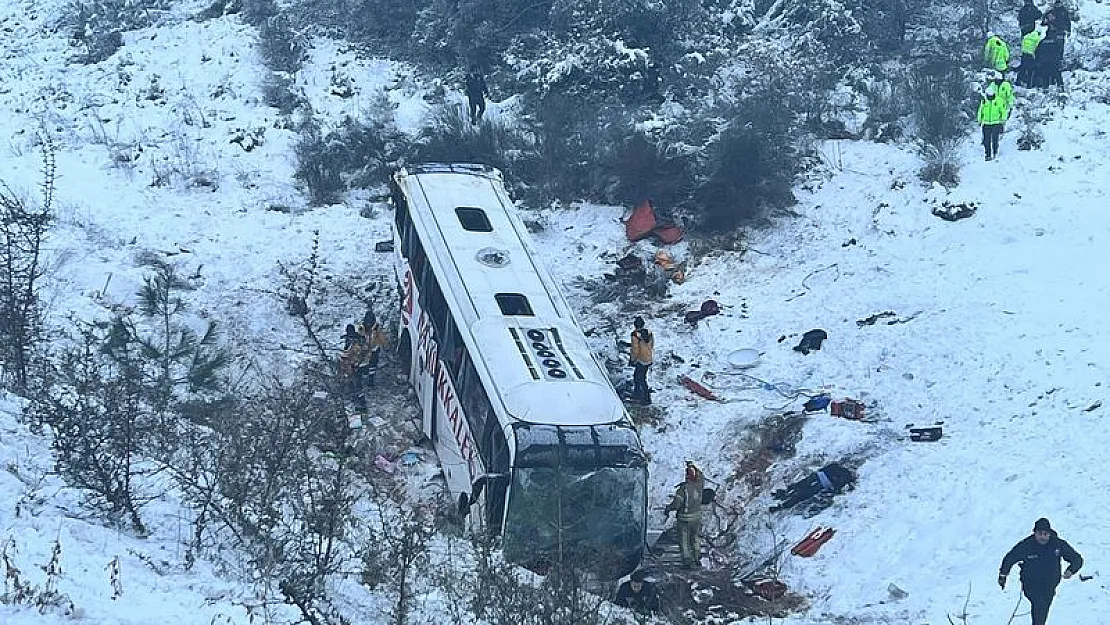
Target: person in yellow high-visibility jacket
<point>1029,74</point>
<point>991,115</point>
<point>1004,90</point>
<point>996,54</point>
<point>642,353</point>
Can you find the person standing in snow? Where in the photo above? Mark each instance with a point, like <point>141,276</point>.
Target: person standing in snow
<point>374,340</point>
<point>1004,91</point>
<point>641,354</point>
<point>476,92</point>
<point>991,116</point>
<point>351,368</point>
<point>996,54</point>
<point>1039,556</point>
<point>686,504</point>
<point>1028,15</point>
<point>1029,74</point>
<point>1051,57</point>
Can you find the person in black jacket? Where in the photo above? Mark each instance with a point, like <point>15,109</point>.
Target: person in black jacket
<point>1028,15</point>
<point>1039,556</point>
<point>476,92</point>
<point>832,478</point>
<point>639,594</point>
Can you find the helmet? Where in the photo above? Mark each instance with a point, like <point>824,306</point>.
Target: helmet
<point>990,91</point>
<point>996,75</point>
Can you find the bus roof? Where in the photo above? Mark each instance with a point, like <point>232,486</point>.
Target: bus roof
<point>539,363</point>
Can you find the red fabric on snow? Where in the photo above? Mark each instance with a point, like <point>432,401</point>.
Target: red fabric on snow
<point>641,223</point>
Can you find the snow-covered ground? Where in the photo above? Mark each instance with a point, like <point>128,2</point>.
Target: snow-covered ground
<point>1001,339</point>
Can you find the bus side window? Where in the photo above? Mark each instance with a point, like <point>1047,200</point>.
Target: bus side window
<point>452,348</point>
<point>405,233</point>
<point>418,262</point>
<point>434,303</point>
<point>475,405</point>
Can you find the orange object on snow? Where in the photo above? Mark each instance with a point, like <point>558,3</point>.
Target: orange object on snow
<point>812,542</point>
<point>641,222</point>
<point>697,387</point>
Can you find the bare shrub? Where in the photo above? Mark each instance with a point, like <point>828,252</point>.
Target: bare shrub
<point>941,101</point>
<point>282,49</point>
<point>23,227</point>
<point>450,137</point>
<point>95,409</point>
<point>354,153</point>
<point>942,164</point>
<point>281,92</point>
<point>97,26</point>
<point>20,591</point>
<point>185,164</point>
<point>641,168</point>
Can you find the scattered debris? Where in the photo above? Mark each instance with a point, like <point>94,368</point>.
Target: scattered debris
<point>708,309</point>
<point>643,223</point>
<point>383,246</point>
<point>768,588</point>
<point>805,280</point>
<point>745,358</point>
<point>1094,406</point>
<point>926,434</point>
<point>847,409</point>
<point>809,545</point>
<point>698,388</point>
<point>884,315</point>
<point>384,464</point>
<point>817,403</point>
<point>870,321</point>
<point>675,271</point>
<point>811,341</point>
<point>955,212</point>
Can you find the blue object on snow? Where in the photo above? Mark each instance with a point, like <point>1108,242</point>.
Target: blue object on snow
<point>820,402</point>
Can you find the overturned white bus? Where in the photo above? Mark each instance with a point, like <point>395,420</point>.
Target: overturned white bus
<point>534,442</point>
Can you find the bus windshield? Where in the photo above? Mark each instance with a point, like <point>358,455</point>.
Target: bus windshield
<point>593,518</point>
<point>578,495</point>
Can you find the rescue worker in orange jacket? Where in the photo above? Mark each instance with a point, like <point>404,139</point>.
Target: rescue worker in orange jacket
<point>642,352</point>
<point>371,332</point>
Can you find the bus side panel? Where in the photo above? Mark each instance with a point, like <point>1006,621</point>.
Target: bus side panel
<point>442,419</point>
<point>455,447</point>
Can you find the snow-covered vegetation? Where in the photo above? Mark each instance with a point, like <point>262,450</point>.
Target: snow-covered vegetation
<point>191,196</point>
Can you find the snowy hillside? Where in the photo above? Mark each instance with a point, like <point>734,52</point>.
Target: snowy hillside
<point>996,325</point>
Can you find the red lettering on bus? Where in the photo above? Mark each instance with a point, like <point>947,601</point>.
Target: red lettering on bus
<point>406,309</point>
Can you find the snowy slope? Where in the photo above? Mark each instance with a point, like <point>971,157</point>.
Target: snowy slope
<point>1005,343</point>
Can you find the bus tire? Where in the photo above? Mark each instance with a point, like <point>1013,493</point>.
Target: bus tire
<point>463,507</point>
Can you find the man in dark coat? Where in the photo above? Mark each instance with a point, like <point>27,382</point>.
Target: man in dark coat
<point>639,594</point>
<point>1050,53</point>
<point>1028,15</point>
<point>476,92</point>
<point>1039,556</point>
<point>832,478</point>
